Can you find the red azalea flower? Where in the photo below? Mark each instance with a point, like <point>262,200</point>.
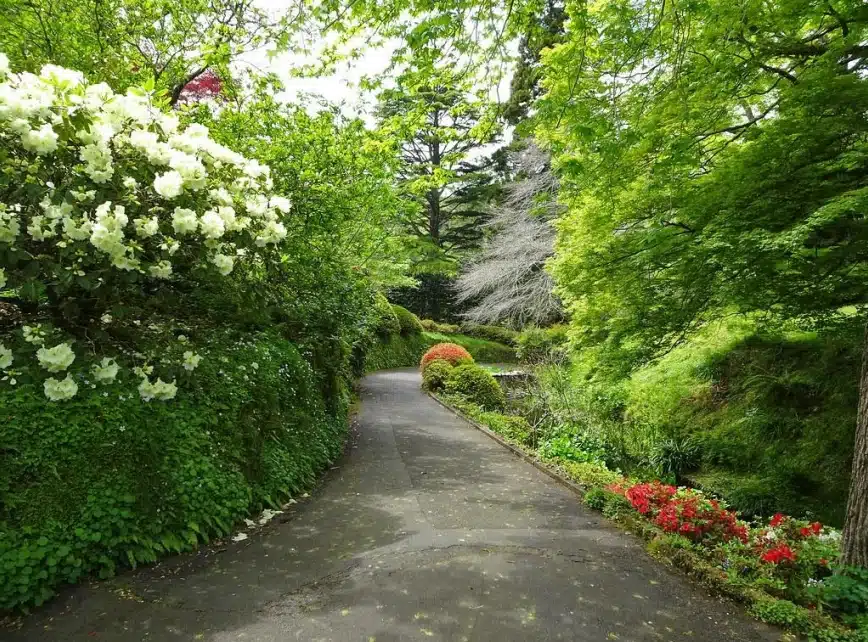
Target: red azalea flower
<point>777,520</point>
<point>805,532</point>
<point>778,554</point>
<point>816,527</point>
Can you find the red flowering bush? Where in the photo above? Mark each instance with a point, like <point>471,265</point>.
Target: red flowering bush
<point>778,554</point>
<point>691,514</point>
<point>451,352</point>
<point>649,497</point>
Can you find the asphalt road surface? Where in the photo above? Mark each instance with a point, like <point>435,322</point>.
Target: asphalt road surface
<point>426,530</point>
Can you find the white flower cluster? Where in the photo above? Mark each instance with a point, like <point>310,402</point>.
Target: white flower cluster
<point>225,196</point>
<point>136,190</point>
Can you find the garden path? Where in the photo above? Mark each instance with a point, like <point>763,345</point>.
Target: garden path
<point>427,530</point>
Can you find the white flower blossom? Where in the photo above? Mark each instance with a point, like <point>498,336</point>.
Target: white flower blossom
<point>33,334</point>
<point>146,227</point>
<point>169,185</point>
<point>106,318</point>
<point>5,357</point>
<point>42,141</point>
<point>184,221</point>
<point>130,182</point>
<point>272,232</point>
<point>63,78</point>
<point>212,225</point>
<point>280,203</point>
<point>191,360</point>
<point>9,226</point>
<point>159,390</point>
<point>225,263</point>
<point>162,270</point>
<point>56,359</point>
<point>60,389</point>
<point>106,370</point>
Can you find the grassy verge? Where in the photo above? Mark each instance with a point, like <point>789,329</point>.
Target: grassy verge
<point>700,562</point>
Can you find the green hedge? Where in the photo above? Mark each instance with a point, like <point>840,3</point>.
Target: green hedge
<point>476,384</point>
<point>107,481</point>
<point>408,321</point>
<point>405,351</point>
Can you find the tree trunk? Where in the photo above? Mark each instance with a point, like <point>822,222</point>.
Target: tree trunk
<point>854,546</point>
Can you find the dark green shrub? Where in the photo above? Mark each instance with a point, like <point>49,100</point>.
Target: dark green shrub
<point>673,456</point>
<point>596,498</point>
<point>106,481</point>
<point>490,332</point>
<point>443,328</point>
<point>846,591</point>
<point>386,322</point>
<point>542,345</point>
<point>434,377</point>
<point>397,351</point>
<point>476,385</point>
<point>617,505</point>
<point>408,321</point>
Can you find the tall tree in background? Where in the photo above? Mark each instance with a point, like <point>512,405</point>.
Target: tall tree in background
<point>441,125</point>
<point>546,30</point>
<point>507,282</point>
<point>714,157</point>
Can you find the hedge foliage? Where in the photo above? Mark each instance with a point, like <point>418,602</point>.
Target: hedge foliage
<point>434,376</point>
<point>107,481</point>
<point>475,383</point>
<point>408,321</point>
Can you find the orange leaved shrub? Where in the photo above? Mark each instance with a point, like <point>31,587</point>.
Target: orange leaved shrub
<point>451,352</point>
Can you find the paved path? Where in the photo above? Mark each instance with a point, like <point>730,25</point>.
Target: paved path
<point>429,530</point>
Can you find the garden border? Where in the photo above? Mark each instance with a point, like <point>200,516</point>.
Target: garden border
<point>688,564</point>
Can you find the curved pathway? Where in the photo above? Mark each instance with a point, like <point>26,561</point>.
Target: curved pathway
<point>428,530</point>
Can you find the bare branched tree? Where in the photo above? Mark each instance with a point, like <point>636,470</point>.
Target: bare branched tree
<point>507,283</point>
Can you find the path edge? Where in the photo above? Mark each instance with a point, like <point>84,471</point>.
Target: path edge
<point>515,450</point>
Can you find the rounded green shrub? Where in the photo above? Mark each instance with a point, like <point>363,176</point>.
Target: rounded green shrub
<point>436,374</point>
<point>477,386</point>
<point>542,345</point>
<point>408,321</point>
<point>386,322</point>
<point>443,328</point>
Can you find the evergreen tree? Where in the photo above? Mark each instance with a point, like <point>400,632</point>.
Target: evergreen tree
<point>442,127</point>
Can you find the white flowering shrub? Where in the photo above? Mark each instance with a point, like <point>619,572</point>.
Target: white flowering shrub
<point>102,194</point>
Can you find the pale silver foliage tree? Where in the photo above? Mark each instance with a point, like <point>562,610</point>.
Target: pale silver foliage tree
<point>507,283</point>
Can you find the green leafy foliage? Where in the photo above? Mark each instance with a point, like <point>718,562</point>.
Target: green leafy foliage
<point>491,332</point>
<point>476,384</point>
<point>542,345</point>
<point>434,377</point>
<point>408,321</point>
<point>108,481</point>
<point>443,328</point>
<point>387,321</point>
<point>846,591</point>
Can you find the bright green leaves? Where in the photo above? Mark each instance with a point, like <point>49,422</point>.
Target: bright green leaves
<point>712,157</point>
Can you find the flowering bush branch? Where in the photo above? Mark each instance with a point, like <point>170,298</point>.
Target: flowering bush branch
<point>103,194</point>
